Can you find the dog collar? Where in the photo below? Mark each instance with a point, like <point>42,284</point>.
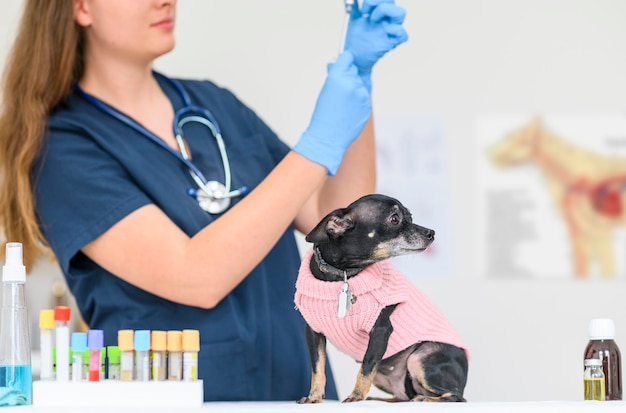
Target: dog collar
<point>346,298</point>
<point>326,268</point>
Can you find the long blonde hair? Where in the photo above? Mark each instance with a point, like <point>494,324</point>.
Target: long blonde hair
<point>44,62</point>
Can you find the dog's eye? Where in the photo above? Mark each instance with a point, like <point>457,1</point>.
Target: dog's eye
<point>394,219</point>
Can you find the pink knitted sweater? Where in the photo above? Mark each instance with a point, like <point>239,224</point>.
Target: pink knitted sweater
<point>414,320</point>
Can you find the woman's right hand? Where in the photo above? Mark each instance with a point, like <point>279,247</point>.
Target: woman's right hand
<point>342,110</point>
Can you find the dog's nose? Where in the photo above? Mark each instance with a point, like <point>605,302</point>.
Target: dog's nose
<point>429,234</point>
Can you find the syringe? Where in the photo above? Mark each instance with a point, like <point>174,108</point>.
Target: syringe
<point>348,5</point>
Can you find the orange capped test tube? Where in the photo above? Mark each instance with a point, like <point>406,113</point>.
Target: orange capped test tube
<point>174,355</point>
<point>191,346</point>
<point>158,343</point>
<point>125,341</point>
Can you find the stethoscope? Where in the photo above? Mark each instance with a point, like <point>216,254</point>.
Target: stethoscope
<point>212,196</point>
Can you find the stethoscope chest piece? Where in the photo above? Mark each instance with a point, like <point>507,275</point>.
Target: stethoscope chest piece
<point>215,202</point>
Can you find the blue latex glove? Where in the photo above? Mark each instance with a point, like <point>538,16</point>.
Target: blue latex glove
<point>374,30</point>
<point>342,110</point>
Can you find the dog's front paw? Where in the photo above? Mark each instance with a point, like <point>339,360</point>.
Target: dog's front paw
<point>354,397</point>
<point>310,399</point>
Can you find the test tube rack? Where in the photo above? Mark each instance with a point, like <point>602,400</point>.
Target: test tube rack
<point>114,393</point>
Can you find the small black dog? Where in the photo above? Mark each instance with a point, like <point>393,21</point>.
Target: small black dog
<point>348,291</point>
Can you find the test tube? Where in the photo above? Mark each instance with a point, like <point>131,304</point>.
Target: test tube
<point>86,363</point>
<point>104,366</point>
<point>95,342</point>
<point>79,346</point>
<point>54,361</point>
<point>191,346</point>
<point>46,325</point>
<point>174,355</point>
<point>62,332</point>
<point>142,355</point>
<point>159,347</point>
<point>113,354</point>
<point>125,342</point>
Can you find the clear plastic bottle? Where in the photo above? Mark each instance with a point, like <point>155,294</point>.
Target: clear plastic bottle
<point>593,380</point>
<point>15,365</point>
<point>602,346</point>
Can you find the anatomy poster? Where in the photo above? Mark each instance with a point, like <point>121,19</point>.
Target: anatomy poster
<point>411,168</point>
<point>551,197</point>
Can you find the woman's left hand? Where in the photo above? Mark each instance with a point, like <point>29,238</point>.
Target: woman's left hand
<point>375,29</point>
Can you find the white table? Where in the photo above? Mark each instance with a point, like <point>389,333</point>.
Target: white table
<point>365,406</point>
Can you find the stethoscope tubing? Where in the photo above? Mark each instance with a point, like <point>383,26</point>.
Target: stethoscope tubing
<point>220,194</point>
<point>134,125</point>
<point>181,117</point>
<point>216,133</point>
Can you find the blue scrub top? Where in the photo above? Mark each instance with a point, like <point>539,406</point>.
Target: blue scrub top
<point>94,170</point>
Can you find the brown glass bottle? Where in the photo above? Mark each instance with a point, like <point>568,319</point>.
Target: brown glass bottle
<point>602,346</point>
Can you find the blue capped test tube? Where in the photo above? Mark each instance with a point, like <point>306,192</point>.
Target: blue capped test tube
<point>142,355</point>
<point>78,346</point>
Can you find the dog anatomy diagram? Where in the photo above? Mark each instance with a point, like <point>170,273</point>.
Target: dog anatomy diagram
<point>411,168</point>
<point>552,196</point>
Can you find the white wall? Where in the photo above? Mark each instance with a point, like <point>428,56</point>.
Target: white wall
<point>464,59</point>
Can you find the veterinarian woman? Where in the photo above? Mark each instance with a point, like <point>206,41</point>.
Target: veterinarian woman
<point>93,170</point>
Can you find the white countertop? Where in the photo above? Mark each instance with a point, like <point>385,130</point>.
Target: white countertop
<point>155,397</point>
<point>365,406</point>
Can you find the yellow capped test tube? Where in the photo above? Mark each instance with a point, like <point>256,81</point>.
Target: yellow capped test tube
<point>191,346</point>
<point>125,341</point>
<point>174,355</point>
<point>158,342</point>
<point>46,327</point>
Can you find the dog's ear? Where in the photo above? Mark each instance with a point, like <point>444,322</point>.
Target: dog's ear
<point>332,226</point>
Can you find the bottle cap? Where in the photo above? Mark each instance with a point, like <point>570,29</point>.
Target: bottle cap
<point>602,329</point>
<point>191,340</point>
<point>126,340</point>
<point>13,269</point>
<point>114,354</point>
<point>593,362</point>
<point>61,313</point>
<point>174,340</point>
<point>79,342</point>
<point>46,319</point>
<point>95,339</point>
<point>159,340</point>
<point>142,340</point>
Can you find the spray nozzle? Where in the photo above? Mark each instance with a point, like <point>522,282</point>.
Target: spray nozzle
<point>349,4</point>
<point>13,269</point>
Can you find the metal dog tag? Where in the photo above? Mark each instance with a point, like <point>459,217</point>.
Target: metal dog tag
<point>346,298</point>
<point>345,301</point>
